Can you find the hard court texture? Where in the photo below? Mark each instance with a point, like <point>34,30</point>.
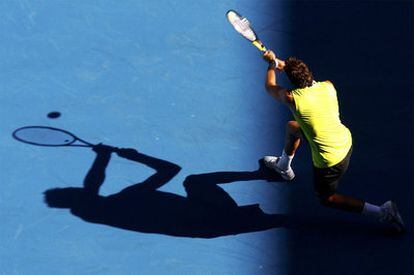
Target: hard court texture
<point>174,81</point>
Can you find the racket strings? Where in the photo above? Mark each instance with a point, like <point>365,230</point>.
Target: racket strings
<point>242,25</point>
<point>245,22</point>
<point>46,136</point>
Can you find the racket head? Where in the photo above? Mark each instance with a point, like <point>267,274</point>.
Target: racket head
<point>47,136</point>
<point>241,25</point>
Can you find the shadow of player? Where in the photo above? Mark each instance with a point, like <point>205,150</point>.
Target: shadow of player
<point>207,211</point>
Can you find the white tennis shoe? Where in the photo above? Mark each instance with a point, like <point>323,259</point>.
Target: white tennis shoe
<point>272,161</point>
<point>392,216</point>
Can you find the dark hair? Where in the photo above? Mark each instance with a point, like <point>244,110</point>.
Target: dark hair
<point>298,72</point>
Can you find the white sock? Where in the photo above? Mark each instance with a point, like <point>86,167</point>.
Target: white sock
<point>372,210</point>
<point>285,161</point>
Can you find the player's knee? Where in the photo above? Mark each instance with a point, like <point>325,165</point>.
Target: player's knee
<point>325,199</point>
<point>293,127</point>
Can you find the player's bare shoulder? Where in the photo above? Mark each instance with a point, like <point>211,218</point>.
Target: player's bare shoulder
<point>288,96</point>
<point>280,93</point>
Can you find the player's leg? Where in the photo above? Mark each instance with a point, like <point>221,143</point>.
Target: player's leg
<point>293,136</point>
<point>387,212</point>
<point>282,164</point>
<point>326,183</point>
<point>343,202</point>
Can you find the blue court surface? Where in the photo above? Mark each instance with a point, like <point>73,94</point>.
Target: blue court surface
<point>173,80</point>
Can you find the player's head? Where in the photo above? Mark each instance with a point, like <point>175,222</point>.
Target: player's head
<point>298,72</point>
<point>66,197</point>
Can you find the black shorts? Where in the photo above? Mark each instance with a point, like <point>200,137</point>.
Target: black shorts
<point>326,180</point>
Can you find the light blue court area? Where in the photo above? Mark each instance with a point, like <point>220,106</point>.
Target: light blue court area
<point>174,83</point>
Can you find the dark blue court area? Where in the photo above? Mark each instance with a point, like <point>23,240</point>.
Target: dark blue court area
<point>177,99</point>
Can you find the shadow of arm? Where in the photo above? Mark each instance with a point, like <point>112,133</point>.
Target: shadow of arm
<point>165,170</point>
<point>96,174</point>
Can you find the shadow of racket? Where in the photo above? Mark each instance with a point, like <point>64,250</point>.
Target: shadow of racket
<point>49,137</point>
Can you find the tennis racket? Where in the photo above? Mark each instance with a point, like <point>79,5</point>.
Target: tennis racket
<point>49,136</point>
<point>242,26</point>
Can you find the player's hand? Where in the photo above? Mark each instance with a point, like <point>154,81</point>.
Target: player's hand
<point>269,55</point>
<point>280,64</point>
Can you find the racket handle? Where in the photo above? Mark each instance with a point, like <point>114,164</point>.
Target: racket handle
<point>259,45</point>
<point>107,147</point>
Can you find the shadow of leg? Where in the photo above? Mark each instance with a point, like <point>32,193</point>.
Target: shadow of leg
<point>203,189</point>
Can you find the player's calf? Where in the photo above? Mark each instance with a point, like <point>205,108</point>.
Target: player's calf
<point>386,213</point>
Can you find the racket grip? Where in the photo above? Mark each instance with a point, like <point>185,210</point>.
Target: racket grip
<point>259,45</point>
<point>108,148</point>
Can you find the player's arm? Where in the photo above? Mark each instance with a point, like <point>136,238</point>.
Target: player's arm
<point>281,94</point>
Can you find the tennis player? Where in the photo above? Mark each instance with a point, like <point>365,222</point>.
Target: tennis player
<point>314,106</point>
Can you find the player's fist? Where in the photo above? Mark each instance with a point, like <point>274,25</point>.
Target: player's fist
<point>280,64</point>
<point>269,56</point>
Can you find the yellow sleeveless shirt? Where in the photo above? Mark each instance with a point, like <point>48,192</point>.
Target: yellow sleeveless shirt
<point>317,112</point>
